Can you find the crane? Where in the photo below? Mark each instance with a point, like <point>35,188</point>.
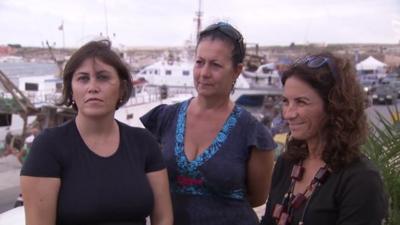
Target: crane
<point>21,104</point>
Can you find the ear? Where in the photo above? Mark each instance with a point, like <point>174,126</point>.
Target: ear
<point>237,70</point>
<point>123,89</point>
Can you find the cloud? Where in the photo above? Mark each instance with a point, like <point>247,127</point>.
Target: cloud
<point>170,23</point>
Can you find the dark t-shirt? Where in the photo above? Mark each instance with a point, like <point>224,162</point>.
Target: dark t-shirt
<point>351,196</point>
<point>95,189</point>
<point>211,189</point>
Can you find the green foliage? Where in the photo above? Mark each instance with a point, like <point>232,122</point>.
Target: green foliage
<point>9,105</point>
<point>383,148</point>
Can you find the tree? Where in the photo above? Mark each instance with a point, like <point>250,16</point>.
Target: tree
<point>383,148</point>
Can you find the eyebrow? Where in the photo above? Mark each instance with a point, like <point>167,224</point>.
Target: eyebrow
<point>303,98</point>
<point>81,73</point>
<point>103,71</point>
<point>298,98</point>
<point>87,73</point>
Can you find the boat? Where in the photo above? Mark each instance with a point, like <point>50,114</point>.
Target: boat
<point>11,59</point>
<point>36,96</point>
<point>30,99</point>
<point>266,75</point>
<point>145,97</point>
<point>175,74</point>
<point>14,216</point>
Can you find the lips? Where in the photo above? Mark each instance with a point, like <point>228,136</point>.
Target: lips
<point>206,85</point>
<point>295,125</point>
<point>93,100</point>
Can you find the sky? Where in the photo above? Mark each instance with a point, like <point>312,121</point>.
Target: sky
<point>161,23</point>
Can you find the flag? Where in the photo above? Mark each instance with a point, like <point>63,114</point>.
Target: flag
<point>61,27</point>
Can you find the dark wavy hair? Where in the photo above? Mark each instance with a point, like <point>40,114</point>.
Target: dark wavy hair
<point>227,33</point>
<point>101,50</point>
<point>345,128</point>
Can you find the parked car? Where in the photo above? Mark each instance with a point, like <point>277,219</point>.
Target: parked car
<point>396,86</point>
<point>368,85</point>
<point>384,94</point>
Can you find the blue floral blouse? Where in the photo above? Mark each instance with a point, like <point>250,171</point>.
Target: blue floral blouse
<point>211,189</point>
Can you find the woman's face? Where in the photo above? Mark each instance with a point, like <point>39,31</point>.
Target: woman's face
<point>96,88</point>
<point>303,108</point>
<point>214,73</point>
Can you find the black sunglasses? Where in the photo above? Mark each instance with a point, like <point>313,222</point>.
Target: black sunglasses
<point>228,31</point>
<point>315,62</point>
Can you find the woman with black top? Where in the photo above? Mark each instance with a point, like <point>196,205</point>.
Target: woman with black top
<point>322,178</point>
<point>95,170</point>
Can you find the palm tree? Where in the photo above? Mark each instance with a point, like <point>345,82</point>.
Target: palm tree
<point>383,148</point>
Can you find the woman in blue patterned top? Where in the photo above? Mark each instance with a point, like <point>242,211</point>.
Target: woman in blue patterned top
<point>218,156</point>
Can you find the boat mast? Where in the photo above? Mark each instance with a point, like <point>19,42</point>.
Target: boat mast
<point>106,19</point>
<point>199,14</point>
<point>59,63</point>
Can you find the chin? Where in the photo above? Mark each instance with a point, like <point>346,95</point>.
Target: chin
<point>95,113</point>
<point>298,136</point>
<point>205,93</point>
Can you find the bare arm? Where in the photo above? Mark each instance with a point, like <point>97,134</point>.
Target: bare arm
<point>20,155</point>
<point>162,211</point>
<point>259,172</point>
<point>40,199</point>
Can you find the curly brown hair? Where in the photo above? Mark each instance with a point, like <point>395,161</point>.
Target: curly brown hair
<point>345,128</point>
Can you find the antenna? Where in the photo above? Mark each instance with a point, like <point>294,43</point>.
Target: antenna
<point>106,20</point>
<point>61,28</point>
<point>199,14</point>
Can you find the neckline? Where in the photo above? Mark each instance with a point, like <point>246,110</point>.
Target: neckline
<point>283,211</point>
<point>86,147</point>
<point>215,145</point>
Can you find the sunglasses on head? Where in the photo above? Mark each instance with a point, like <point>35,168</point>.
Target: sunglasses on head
<point>228,31</point>
<point>316,61</point>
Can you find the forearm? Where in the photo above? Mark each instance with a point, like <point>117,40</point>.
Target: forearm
<point>259,177</point>
<point>162,211</point>
<point>40,199</point>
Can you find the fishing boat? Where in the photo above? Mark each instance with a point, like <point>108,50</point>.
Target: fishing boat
<point>266,75</point>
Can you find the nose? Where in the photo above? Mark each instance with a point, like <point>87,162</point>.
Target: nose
<point>205,70</point>
<point>289,112</point>
<point>93,86</point>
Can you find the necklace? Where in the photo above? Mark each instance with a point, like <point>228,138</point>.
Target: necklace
<point>283,212</point>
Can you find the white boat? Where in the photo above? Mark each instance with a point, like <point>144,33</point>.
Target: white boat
<point>176,74</point>
<point>14,216</point>
<point>33,92</point>
<point>45,91</point>
<point>176,77</point>
<point>11,59</point>
<point>266,75</point>
<point>145,98</point>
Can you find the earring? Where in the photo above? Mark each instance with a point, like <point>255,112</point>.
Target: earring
<point>73,102</point>
<point>233,86</point>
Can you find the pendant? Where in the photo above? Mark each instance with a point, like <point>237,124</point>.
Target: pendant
<point>284,219</point>
<point>276,213</point>
<point>322,174</point>
<point>298,200</point>
<point>297,172</point>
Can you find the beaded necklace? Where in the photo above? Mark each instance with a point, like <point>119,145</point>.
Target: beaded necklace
<point>283,212</point>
